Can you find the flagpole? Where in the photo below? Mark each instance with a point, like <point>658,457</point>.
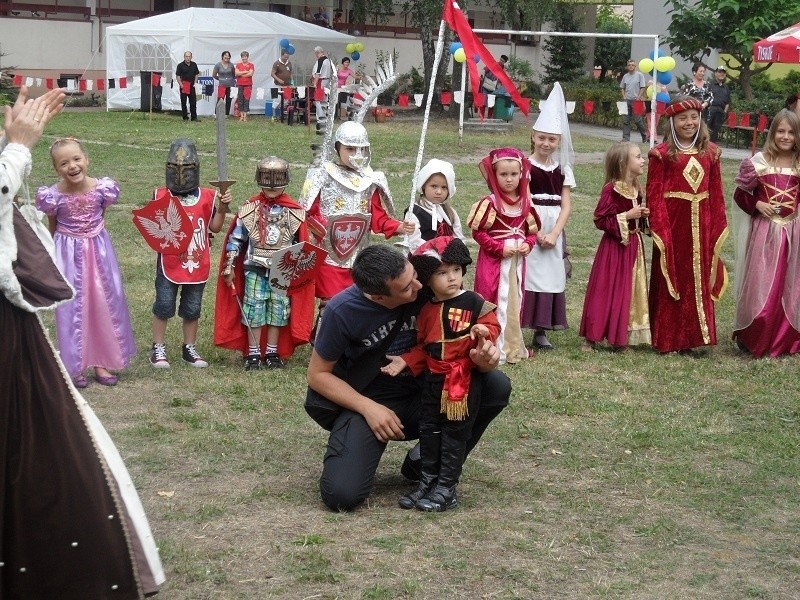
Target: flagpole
<point>463,103</point>
<point>436,60</point>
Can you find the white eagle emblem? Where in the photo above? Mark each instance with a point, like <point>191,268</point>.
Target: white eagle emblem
<point>165,229</point>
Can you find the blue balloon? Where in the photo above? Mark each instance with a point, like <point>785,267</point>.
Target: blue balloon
<point>477,58</point>
<point>284,43</point>
<point>664,77</point>
<point>654,55</point>
<point>662,97</point>
<point>290,49</point>
<point>455,46</point>
<point>355,55</point>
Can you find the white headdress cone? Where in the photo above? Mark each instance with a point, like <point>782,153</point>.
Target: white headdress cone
<point>553,119</point>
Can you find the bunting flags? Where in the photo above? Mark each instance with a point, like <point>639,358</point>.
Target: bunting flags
<point>457,21</point>
<point>83,85</point>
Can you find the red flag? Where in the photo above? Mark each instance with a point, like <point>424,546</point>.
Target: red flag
<point>123,82</point>
<point>588,107</point>
<point>156,80</point>
<point>101,84</point>
<point>82,85</point>
<point>49,83</point>
<point>457,21</point>
<point>17,80</point>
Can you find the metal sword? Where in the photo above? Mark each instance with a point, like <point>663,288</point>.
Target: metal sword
<point>223,183</point>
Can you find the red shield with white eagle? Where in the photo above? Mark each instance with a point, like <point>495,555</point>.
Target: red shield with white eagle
<point>164,225</point>
<point>345,235</point>
<point>295,266</point>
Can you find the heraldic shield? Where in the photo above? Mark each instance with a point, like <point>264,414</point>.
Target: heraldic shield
<point>345,234</point>
<point>295,266</point>
<point>164,225</point>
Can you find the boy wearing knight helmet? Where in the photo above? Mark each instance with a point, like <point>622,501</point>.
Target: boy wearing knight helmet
<point>269,222</point>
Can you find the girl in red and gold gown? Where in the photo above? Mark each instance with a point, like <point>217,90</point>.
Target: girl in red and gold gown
<point>615,307</point>
<point>767,320</point>
<point>689,227</point>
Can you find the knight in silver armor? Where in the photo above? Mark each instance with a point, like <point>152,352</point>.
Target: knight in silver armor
<point>267,223</point>
<point>345,200</point>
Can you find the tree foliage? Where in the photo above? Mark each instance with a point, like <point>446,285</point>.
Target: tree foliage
<point>729,26</point>
<point>566,54</point>
<point>611,54</point>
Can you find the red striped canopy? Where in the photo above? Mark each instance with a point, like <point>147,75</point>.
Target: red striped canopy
<point>781,47</point>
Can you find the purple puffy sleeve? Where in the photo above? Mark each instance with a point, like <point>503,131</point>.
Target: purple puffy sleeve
<point>108,190</point>
<point>746,183</point>
<point>47,200</point>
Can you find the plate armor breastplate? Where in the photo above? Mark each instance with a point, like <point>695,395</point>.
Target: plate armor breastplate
<point>275,232</point>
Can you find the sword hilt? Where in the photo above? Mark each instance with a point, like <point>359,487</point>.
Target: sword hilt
<point>223,185</point>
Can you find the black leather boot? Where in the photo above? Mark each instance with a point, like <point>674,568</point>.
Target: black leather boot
<point>430,449</point>
<point>444,497</point>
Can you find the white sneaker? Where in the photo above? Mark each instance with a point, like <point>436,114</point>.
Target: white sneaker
<point>191,356</point>
<point>158,356</point>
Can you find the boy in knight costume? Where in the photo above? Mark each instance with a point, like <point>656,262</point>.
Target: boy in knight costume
<point>189,270</point>
<point>344,201</point>
<point>268,223</point>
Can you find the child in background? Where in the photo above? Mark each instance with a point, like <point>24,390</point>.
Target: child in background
<point>94,329</point>
<point>432,214</point>
<point>268,223</point>
<point>689,226</point>
<point>189,270</point>
<point>615,307</point>
<point>505,228</point>
<point>447,328</point>
<point>768,241</point>
<point>545,303</point>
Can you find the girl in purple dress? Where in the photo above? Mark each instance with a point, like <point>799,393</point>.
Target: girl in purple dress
<point>94,329</point>
<point>767,321</point>
<point>615,307</point>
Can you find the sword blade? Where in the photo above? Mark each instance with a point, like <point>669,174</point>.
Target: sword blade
<point>222,141</point>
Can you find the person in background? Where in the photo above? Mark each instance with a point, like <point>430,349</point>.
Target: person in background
<point>343,75</point>
<point>719,104</point>
<point>282,75</point>
<point>489,84</point>
<point>187,73</point>
<point>224,73</point>
<point>320,77</point>
<point>321,17</point>
<point>793,103</point>
<point>698,88</point>
<point>244,82</point>
<point>632,88</point>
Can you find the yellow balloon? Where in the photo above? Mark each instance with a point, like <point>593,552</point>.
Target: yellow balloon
<point>459,55</point>
<point>646,65</point>
<point>650,91</point>
<point>350,48</point>
<point>359,46</point>
<point>665,63</point>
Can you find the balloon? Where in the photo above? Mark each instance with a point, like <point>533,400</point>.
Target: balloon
<point>350,48</point>
<point>290,49</point>
<point>359,46</point>
<point>665,63</point>
<point>664,78</point>
<point>662,97</point>
<point>650,91</point>
<point>654,55</point>
<point>477,58</point>
<point>454,47</point>
<point>646,65</point>
<point>355,55</point>
<point>284,43</point>
<point>459,55</point>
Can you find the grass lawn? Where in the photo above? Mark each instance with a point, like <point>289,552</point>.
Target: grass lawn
<point>628,475</point>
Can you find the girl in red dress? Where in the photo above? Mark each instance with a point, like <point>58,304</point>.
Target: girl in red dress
<point>767,318</point>
<point>689,227</point>
<point>615,307</point>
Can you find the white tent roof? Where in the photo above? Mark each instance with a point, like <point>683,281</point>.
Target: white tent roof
<point>157,44</point>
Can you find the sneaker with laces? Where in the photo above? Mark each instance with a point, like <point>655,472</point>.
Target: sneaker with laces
<point>273,361</point>
<point>252,362</point>
<point>158,356</point>
<point>191,356</point>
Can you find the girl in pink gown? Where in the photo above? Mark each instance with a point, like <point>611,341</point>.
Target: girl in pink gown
<point>767,320</point>
<point>505,227</point>
<point>615,307</point>
<point>94,329</point>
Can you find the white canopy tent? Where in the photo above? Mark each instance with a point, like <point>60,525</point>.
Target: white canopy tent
<point>156,44</point>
